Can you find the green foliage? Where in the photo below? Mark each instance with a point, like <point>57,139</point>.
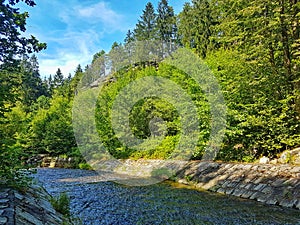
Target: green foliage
<point>195,27</point>
<point>146,26</point>
<point>61,204</point>
<point>84,166</point>
<point>19,81</point>
<point>51,129</point>
<point>258,122</point>
<point>145,110</point>
<point>12,24</point>
<point>166,22</point>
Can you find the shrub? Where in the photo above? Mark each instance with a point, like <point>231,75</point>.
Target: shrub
<point>61,204</point>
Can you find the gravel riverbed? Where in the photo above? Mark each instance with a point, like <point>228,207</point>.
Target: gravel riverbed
<point>95,200</point>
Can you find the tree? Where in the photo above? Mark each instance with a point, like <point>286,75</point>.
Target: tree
<point>13,46</point>
<point>166,22</point>
<point>97,55</point>
<point>129,46</point>
<point>146,26</point>
<point>12,23</point>
<point>58,79</point>
<point>51,129</point>
<point>116,57</point>
<point>32,85</point>
<point>266,35</point>
<point>196,24</point>
<point>129,37</point>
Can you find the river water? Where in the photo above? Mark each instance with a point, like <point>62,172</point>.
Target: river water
<point>97,201</point>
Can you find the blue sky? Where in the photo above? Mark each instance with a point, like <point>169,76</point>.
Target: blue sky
<point>75,30</point>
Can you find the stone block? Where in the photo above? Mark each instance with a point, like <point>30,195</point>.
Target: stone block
<point>229,191</point>
<point>238,192</point>
<point>254,196</point>
<point>3,206</point>
<point>249,186</point>
<point>267,190</point>
<point>272,200</point>
<point>222,191</point>
<point>258,180</point>
<point>247,194</point>
<point>259,187</point>
<point>278,182</point>
<point>288,203</point>
<point>3,195</point>
<point>297,205</point>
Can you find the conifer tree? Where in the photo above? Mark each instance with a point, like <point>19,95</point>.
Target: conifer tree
<point>129,37</point>
<point>146,26</point>
<point>58,78</point>
<point>166,22</point>
<point>196,26</point>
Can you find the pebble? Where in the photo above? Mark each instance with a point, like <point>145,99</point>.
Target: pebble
<point>3,220</point>
<point>3,206</point>
<point>4,200</point>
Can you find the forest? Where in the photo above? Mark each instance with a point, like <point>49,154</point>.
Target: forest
<point>252,48</point>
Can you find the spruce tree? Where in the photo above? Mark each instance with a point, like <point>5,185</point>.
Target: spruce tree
<point>166,22</point>
<point>196,23</point>
<point>58,78</point>
<point>146,26</point>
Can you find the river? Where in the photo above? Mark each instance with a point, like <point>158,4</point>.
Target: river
<point>97,201</point>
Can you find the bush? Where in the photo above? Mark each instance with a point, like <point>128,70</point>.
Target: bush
<point>61,204</point>
<point>85,166</point>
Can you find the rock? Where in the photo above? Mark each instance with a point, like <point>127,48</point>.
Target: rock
<point>4,200</point>
<point>274,161</point>
<point>3,206</point>
<point>298,205</point>
<point>290,156</point>
<point>264,160</point>
<point>30,207</point>
<point>288,203</point>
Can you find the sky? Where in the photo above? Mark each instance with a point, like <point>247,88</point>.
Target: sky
<point>75,30</point>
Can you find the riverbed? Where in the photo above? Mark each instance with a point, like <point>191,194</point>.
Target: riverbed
<point>96,200</point>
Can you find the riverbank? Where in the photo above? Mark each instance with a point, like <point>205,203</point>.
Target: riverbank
<point>274,184</point>
<point>271,184</point>
<point>30,207</point>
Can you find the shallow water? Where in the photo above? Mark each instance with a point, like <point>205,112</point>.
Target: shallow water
<point>107,202</point>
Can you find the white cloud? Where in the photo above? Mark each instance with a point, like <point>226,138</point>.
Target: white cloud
<point>99,14</point>
<point>67,65</point>
<point>101,11</point>
<point>74,31</point>
<point>71,49</point>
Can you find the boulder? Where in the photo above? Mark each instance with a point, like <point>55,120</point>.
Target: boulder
<point>264,160</point>
<point>290,156</point>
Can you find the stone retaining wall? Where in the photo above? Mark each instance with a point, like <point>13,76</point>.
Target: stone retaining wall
<point>30,208</point>
<point>271,184</point>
